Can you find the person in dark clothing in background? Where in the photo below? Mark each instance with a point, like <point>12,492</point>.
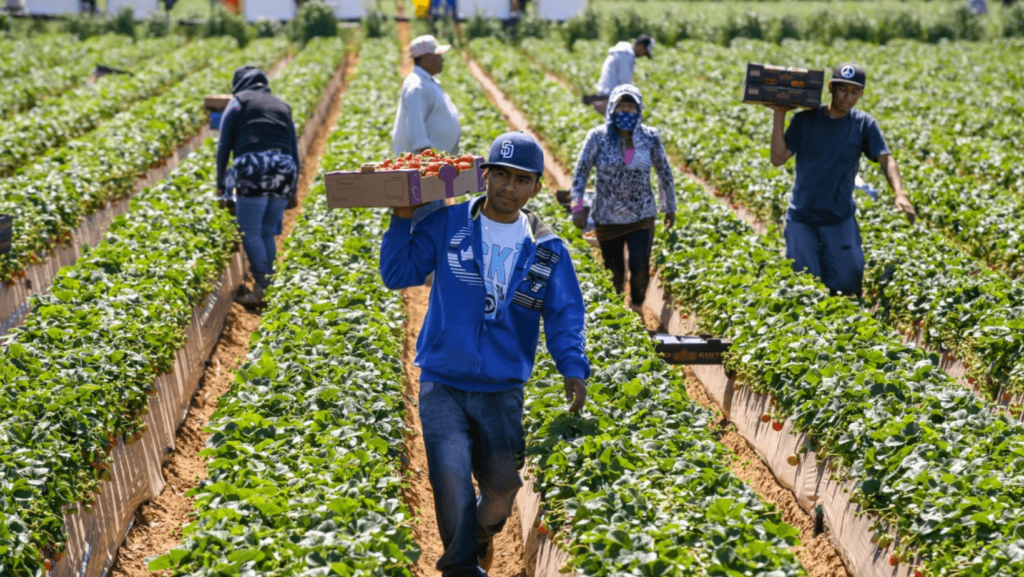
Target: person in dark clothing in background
<point>257,128</point>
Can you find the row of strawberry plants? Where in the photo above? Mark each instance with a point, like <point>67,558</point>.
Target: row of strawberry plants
<point>77,375</point>
<point>942,473</point>
<point>482,121</point>
<point>637,484</point>
<point>58,120</point>
<point>307,76</point>
<point>305,457</point>
<point>42,51</point>
<point>916,279</point>
<point>667,471</point>
<point>895,424</point>
<point>52,197</point>
<point>39,68</point>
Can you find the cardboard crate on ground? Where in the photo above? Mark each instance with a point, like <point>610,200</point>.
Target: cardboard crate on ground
<point>370,187</point>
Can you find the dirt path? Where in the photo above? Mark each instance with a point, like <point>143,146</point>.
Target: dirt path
<point>509,551</point>
<point>557,176</point>
<point>157,527</point>
<point>816,554</point>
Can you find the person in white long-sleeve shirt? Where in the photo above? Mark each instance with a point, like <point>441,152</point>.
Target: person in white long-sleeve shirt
<point>618,68</point>
<point>426,116</point>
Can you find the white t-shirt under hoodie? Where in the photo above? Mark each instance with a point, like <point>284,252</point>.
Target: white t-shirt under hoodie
<point>501,246</point>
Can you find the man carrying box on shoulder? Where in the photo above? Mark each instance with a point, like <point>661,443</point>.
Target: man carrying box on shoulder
<point>821,230</point>
<point>498,271</point>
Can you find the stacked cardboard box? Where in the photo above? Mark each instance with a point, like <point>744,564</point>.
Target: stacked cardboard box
<point>790,86</point>
<point>374,187</point>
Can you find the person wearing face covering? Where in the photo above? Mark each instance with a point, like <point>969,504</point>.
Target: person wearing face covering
<point>624,150</point>
<point>258,131</point>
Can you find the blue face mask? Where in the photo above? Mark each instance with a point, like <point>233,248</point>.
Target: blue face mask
<point>626,120</point>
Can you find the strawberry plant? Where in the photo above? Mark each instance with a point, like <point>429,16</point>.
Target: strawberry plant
<point>77,376</point>
<point>58,120</point>
<point>306,455</point>
<point>42,67</point>
<point>51,198</point>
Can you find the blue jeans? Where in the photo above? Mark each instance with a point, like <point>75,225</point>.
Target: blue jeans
<point>830,252</point>
<point>259,218</point>
<point>471,435</point>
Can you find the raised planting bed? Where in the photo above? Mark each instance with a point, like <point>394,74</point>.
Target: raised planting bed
<point>307,447</point>
<point>150,299</point>
<point>927,466</point>
<point>635,483</point>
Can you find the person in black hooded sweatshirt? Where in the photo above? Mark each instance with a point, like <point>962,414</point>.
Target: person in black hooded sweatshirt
<point>257,128</point>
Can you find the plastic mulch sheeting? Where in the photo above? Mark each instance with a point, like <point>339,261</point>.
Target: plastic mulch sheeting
<point>93,539</point>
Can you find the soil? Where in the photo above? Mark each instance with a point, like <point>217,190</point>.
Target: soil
<point>508,545</point>
<point>157,526</point>
<point>816,554</point>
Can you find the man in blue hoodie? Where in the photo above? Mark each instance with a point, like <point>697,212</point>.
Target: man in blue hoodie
<point>497,271</point>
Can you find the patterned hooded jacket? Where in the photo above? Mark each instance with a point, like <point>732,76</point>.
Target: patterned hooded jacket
<point>624,193</point>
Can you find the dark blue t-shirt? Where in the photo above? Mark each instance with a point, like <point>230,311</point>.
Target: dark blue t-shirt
<point>827,158</point>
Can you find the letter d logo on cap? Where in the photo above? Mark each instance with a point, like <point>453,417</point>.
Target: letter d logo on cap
<point>507,149</point>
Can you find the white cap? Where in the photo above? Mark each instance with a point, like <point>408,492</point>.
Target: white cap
<point>427,45</point>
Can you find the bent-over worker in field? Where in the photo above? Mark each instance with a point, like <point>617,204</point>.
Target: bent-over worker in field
<point>822,235</point>
<point>498,270</point>
<point>257,129</point>
<point>618,68</point>
<point>426,116</point>
<point>624,150</point>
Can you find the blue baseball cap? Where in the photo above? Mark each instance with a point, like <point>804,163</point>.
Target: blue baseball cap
<point>516,150</point>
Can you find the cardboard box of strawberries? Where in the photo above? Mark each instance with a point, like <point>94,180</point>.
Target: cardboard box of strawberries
<point>406,180</point>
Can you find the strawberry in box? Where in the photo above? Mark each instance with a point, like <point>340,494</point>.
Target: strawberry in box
<point>407,180</point>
